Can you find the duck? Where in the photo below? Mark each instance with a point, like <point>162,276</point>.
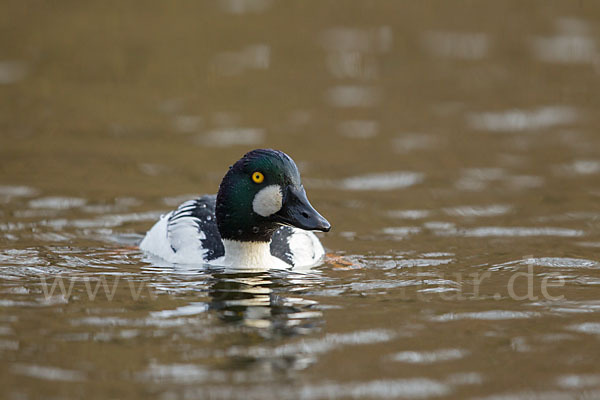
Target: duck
<point>259,218</point>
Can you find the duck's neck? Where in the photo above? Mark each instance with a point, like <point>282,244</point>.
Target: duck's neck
<point>247,254</point>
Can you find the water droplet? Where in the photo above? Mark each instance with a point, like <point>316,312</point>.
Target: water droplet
<point>209,218</point>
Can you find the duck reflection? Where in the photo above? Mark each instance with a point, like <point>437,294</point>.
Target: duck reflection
<point>261,300</point>
<point>271,301</point>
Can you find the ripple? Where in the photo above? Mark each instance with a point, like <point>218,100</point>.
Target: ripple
<point>381,284</point>
<point>16,259</point>
<point>565,49</point>
<point>226,137</point>
<point>438,254</point>
<point>48,373</point>
<point>586,327</point>
<point>492,315</point>
<point>401,232</point>
<point>440,226</point>
<point>16,290</point>
<point>176,373</point>
<point>383,181</point>
<point>499,231</point>
<point>578,381</point>
<point>478,178</point>
<point>584,167</point>
<point>561,262</point>
<point>152,321</point>
<point>9,191</point>
<point>521,120</point>
<point>429,357</point>
<point>317,346</point>
<point>35,213</point>
<point>481,211</point>
<point>190,309</point>
<point>422,262</point>
<point>571,307</point>
<point>52,237</point>
<point>353,96</point>
<point>57,202</point>
<point>409,214</point>
<point>413,388</point>
<point>401,388</point>
<point>540,395</point>
<point>188,123</point>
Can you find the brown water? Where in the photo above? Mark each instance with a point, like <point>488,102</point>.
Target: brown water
<point>455,150</point>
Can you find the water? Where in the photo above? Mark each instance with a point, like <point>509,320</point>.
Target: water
<point>454,150</point>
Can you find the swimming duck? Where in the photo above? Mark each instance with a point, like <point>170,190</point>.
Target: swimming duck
<point>260,218</point>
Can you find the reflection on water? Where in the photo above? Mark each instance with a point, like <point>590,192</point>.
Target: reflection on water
<point>253,300</point>
<point>455,151</point>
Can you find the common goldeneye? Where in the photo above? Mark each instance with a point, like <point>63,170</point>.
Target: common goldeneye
<point>260,218</point>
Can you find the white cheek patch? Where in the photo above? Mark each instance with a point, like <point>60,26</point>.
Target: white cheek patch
<point>268,201</point>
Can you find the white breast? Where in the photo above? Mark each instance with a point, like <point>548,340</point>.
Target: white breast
<point>249,255</point>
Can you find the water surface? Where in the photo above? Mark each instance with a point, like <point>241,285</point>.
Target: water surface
<point>454,150</point>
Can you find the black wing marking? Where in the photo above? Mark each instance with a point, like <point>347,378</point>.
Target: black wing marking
<point>194,224</point>
<point>280,246</point>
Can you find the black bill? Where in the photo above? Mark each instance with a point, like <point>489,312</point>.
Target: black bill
<point>297,211</point>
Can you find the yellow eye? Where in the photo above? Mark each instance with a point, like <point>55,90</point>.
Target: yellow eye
<point>258,177</point>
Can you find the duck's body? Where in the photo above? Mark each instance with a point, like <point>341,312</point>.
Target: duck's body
<point>190,235</point>
<point>257,220</point>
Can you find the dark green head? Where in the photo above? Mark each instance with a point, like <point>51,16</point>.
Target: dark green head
<point>261,192</point>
